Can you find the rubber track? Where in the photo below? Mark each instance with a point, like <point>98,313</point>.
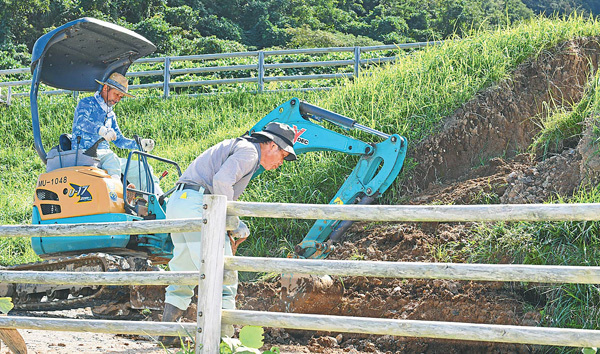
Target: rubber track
<point>104,294</point>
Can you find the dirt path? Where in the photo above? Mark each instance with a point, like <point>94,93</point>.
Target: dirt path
<point>42,342</point>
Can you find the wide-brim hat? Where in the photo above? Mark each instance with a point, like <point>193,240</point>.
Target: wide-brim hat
<point>118,82</point>
<point>282,135</point>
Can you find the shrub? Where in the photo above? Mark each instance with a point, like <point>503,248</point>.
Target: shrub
<point>305,37</point>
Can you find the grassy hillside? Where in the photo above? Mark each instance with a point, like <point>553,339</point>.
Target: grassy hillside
<point>409,98</point>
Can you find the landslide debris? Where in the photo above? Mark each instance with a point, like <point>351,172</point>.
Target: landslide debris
<point>476,157</point>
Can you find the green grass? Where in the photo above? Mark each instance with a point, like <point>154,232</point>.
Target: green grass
<point>564,126</point>
<point>411,98</point>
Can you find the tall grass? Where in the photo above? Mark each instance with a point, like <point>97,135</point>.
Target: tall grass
<point>411,98</point>
<point>564,126</point>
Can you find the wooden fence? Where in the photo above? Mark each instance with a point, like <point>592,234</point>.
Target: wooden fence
<point>258,73</point>
<point>210,277</point>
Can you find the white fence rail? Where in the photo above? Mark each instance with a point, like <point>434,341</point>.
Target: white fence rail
<point>210,277</point>
<point>258,72</point>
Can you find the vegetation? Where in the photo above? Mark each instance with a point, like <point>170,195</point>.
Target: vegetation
<point>410,98</point>
<point>180,27</point>
<point>563,128</point>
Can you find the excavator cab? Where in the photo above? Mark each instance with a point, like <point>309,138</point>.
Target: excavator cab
<point>74,189</point>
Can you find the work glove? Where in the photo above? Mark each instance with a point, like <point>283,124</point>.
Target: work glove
<point>107,133</point>
<point>147,144</point>
<point>239,235</point>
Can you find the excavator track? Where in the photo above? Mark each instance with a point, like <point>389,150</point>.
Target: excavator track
<point>50,297</point>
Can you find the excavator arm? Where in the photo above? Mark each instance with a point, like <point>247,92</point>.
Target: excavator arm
<point>378,166</point>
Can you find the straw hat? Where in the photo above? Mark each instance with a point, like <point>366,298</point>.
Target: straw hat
<point>118,82</point>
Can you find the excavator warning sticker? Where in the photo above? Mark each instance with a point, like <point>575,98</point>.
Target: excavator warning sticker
<point>297,138</point>
<point>80,191</point>
<point>338,201</point>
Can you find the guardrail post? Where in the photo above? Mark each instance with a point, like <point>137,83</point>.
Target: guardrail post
<point>8,93</point>
<point>167,77</point>
<point>210,283</point>
<point>356,62</point>
<point>261,71</point>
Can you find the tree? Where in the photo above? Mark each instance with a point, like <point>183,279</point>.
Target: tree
<point>182,16</point>
<point>17,19</point>
<point>222,27</point>
<point>158,31</point>
<point>264,34</point>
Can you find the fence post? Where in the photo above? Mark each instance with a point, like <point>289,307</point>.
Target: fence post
<point>8,96</point>
<point>356,62</point>
<point>261,71</point>
<point>210,283</point>
<point>167,77</point>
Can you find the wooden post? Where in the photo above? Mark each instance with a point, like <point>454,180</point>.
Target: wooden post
<point>13,339</point>
<point>210,284</point>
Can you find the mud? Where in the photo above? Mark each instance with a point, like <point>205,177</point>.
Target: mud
<point>476,157</point>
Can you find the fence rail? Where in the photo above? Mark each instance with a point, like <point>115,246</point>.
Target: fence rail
<point>259,72</point>
<point>414,328</point>
<point>211,275</point>
<point>420,213</point>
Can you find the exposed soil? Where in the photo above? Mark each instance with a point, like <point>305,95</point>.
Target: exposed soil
<point>492,128</point>
<point>475,157</point>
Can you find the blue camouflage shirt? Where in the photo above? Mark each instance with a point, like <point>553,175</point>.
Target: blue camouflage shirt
<point>90,114</point>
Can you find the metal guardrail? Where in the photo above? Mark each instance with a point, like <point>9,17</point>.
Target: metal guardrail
<point>258,72</point>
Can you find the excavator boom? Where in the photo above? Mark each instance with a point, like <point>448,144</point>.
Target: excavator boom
<point>378,166</point>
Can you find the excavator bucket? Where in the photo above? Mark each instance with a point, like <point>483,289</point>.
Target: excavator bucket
<point>306,293</point>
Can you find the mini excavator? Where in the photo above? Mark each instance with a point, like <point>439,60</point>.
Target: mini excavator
<point>74,190</point>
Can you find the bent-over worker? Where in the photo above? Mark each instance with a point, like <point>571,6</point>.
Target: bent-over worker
<point>224,169</point>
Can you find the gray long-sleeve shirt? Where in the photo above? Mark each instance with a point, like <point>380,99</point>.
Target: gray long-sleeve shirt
<point>225,168</point>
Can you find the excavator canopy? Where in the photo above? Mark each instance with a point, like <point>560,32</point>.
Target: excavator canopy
<point>75,54</point>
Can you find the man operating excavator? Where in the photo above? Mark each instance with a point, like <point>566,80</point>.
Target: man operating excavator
<point>95,119</point>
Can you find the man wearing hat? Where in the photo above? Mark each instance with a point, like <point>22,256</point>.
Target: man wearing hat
<point>95,119</point>
<point>225,169</point>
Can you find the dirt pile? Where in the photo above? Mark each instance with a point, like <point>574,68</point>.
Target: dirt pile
<point>493,127</point>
